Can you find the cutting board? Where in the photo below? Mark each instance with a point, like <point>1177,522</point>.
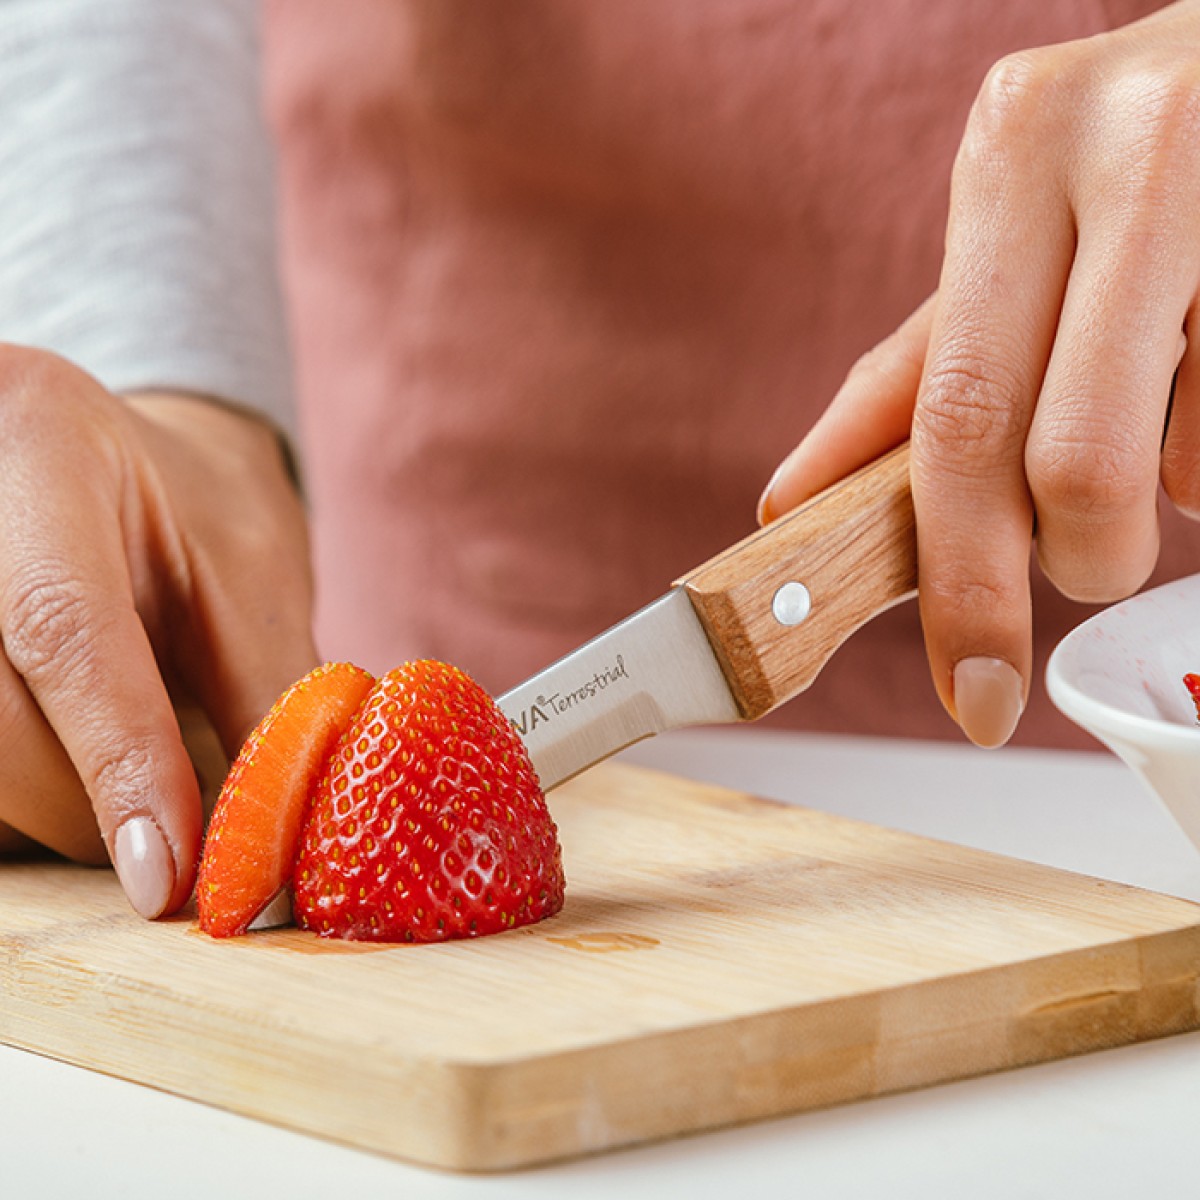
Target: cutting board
<point>720,958</point>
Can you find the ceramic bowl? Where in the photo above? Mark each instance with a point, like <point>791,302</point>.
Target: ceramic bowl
<point>1120,676</point>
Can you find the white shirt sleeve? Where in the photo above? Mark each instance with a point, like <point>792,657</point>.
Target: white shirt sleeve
<point>137,231</point>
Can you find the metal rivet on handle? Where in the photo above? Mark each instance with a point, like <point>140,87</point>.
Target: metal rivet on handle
<point>791,603</point>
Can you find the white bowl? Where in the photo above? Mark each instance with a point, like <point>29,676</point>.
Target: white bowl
<point>1120,676</point>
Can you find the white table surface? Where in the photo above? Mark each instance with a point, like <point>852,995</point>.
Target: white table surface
<point>1115,1124</point>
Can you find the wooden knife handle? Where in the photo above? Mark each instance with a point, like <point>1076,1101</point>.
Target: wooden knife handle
<point>852,550</point>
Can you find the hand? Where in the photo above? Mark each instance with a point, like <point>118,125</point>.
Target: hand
<point>151,550</point>
<point>1037,382</point>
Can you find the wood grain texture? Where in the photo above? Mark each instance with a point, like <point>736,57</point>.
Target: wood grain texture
<point>853,547</point>
<point>720,958</point>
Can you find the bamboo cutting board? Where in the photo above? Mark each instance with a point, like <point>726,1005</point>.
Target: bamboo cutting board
<point>720,958</point>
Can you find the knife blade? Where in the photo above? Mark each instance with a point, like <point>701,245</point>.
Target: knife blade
<point>735,638</point>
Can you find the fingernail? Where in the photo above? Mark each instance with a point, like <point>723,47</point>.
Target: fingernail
<point>144,865</point>
<point>988,698</point>
<point>766,506</point>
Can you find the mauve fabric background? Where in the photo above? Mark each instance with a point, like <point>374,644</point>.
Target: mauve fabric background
<point>567,280</point>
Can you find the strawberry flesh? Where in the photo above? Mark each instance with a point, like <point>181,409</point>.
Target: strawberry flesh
<point>1192,683</point>
<point>250,846</point>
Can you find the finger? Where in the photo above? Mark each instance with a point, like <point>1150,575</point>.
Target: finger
<point>248,598</point>
<point>1002,286</point>
<point>209,758</point>
<point>257,630</point>
<point>71,631</point>
<point>870,415</point>
<point>255,659</point>
<point>41,794</point>
<point>1181,447</point>
<point>1093,457</point>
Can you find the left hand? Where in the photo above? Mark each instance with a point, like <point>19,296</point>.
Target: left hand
<point>1037,382</point>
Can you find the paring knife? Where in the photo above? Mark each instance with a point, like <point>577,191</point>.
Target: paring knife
<point>731,641</point>
<point>735,638</point>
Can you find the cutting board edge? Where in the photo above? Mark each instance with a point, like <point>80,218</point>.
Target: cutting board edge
<point>1047,1028</point>
<point>501,1115</point>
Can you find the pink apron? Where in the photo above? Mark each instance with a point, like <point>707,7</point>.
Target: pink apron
<point>568,279</point>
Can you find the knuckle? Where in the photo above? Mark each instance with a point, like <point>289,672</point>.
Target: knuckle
<point>968,405</point>
<point>1143,127</point>
<point>121,777</point>
<point>1151,129</point>
<point>1090,477</point>
<point>1015,83</point>
<point>963,601</point>
<point>1015,97</point>
<point>49,406</point>
<point>27,373</point>
<point>1165,111</point>
<point>1096,500</point>
<point>47,627</point>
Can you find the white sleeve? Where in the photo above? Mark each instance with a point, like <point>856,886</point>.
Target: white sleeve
<point>137,231</point>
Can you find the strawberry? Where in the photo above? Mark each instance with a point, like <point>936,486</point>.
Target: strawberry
<point>250,846</point>
<point>428,821</point>
<point>1192,683</point>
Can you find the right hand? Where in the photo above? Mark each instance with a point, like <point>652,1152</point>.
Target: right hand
<point>1052,384</point>
<point>153,551</point>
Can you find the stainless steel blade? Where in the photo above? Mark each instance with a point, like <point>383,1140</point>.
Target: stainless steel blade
<point>654,671</point>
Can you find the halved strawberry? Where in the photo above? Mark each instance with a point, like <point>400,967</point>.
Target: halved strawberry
<point>428,822</point>
<point>250,846</point>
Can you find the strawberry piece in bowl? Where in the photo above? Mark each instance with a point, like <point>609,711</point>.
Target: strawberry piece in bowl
<point>1191,681</point>
<point>254,832</point>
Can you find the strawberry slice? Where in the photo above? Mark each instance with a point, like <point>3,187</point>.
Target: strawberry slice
<point>250,846</point>
<point>428,821</point>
